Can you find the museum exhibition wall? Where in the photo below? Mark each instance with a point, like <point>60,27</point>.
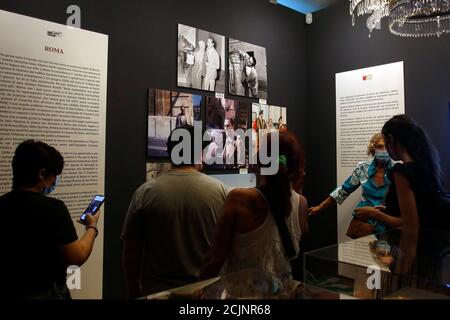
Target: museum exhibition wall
<point>302,62</point>
<point>142,54</point>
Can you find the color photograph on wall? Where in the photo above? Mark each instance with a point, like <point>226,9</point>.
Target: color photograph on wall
<point>227,150</point>
<point>247,69</point>
<point>168,110</point>
<point>200,59</point>
<point>267,118</point>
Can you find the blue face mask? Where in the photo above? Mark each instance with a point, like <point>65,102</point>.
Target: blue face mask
<point>48,190</point>
<point>382,156</point>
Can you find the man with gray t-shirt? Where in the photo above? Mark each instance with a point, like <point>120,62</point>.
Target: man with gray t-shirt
<point>169,228</point>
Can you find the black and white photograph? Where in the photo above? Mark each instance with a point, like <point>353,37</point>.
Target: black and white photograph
<point>201,59</point>
<point>168,110</point>
<point>247,75</point>
<point>223,117</point>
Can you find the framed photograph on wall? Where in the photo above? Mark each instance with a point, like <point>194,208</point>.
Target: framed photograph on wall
<point>168,110</point>
<point>227,149</point>
<point>266,119</point>
<point>247,69</point>
<point>200,59</point>
<point>269,117</point>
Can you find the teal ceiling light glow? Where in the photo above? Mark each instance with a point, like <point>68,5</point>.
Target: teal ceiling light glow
<point>304,6</point>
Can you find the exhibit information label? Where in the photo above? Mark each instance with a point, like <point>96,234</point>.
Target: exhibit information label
<point>53,89</point>
<point>220,95</point>
<point>365,100</point>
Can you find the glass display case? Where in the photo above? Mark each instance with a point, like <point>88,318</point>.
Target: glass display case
<point>405,263</point>
<point>244,284</point>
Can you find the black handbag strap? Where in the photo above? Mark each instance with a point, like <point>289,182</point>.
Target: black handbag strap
<point>282,229</point>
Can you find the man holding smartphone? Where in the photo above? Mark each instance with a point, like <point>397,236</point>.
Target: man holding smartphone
<point>44,243</point>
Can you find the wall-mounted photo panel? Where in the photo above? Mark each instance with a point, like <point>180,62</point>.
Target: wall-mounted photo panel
<point>247,69</point>
<point>200,59</point>
<point>268,118</point>
<point>228,149</point>
<point>168,110</point>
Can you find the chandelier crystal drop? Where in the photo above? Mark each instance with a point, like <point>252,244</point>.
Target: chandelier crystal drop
<point>419,18</point>
<point>377,9</point>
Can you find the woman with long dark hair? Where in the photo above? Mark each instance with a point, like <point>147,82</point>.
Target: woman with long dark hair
<point>416,199</point>
<point>416,194</point>
<point>247,236</point>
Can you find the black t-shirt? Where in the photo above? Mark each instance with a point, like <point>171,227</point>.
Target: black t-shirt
<point>34,227</point>
<point>431,214</point>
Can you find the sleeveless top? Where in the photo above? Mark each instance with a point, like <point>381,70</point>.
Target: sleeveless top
<point>262,248</point>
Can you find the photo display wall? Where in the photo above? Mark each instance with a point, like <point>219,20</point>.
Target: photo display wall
<point>201,63</point>
<point>219,118</point>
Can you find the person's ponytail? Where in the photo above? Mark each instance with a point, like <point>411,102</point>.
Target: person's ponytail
<point>420,147</point>
<point>277,188</point>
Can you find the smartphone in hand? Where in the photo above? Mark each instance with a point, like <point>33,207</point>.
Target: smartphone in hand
<point>93,207</point>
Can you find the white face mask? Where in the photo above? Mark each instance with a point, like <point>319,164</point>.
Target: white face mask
<point>382,155</point>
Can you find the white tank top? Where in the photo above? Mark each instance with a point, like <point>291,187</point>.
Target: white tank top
<point>262,248</point>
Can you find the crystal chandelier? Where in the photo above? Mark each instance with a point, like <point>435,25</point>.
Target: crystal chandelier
<point>377,9</point>
<point>419,18</point>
